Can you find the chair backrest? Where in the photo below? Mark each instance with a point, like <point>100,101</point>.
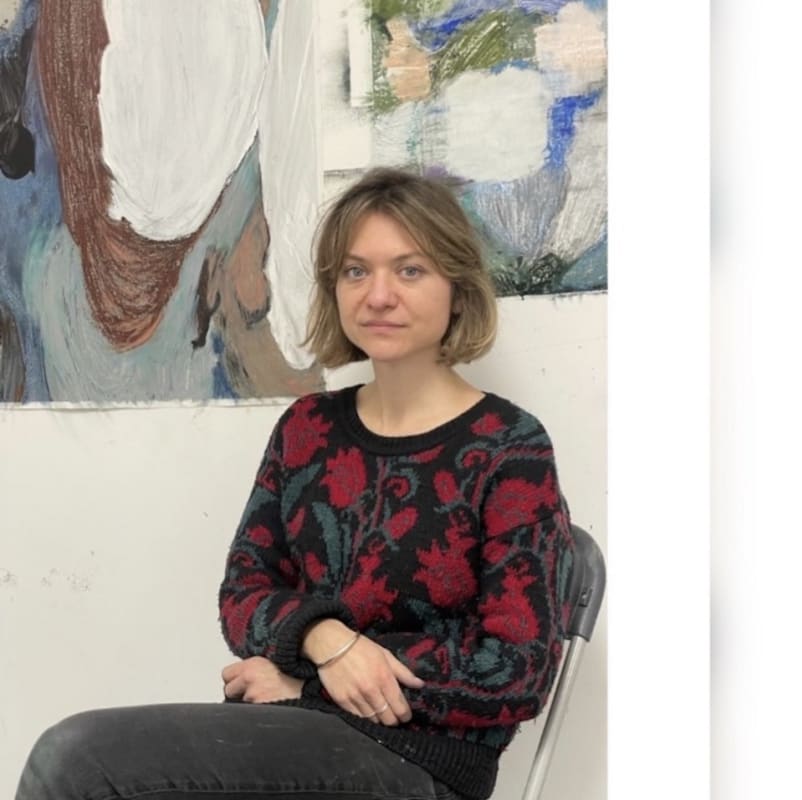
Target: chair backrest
<point>585,593</point>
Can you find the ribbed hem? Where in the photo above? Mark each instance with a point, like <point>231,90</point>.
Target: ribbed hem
<point>287,655</point>
<point>467,768</point>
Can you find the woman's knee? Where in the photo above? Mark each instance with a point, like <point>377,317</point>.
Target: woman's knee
<point>62,757</point>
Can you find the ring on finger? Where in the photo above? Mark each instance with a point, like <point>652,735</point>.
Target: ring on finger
<point>381,710</point>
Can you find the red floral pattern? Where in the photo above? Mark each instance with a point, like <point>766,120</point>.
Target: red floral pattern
<point>315,568</point>
<point>510,616</point>
<point>345,477</point>
<point>487,425</point>
<point>295,525</point>
<point>399,486</point>
<point>427,456</point>
<point>368,596</point>
<point>513,503</point>
<point>402,523</point>
<point>448,556</point>
<point>260,535</point>
<point>304,433</point>
<point>475,458</point>
<point>446,572</point>
<point>446,486</point>
<point>267,478</point>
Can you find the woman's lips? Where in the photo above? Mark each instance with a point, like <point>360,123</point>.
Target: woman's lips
<point>380,325</point>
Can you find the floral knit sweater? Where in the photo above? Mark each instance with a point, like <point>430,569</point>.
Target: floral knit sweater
<point>450,548</point>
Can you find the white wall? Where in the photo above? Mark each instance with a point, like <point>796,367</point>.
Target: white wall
<point>114,527</point>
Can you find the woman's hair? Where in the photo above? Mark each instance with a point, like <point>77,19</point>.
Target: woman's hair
<point>434,219</point>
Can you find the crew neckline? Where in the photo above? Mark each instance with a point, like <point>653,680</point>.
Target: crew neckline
<point>400,445</point>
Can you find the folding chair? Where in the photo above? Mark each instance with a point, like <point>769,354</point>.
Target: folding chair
<point>586,591</point>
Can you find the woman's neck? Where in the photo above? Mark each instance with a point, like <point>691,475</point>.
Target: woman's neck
<point>404,403</point>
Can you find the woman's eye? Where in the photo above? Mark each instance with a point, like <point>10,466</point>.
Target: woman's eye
<point>411,271</point>
<point>353,271</point>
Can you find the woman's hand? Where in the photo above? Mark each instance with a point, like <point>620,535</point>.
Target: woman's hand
<point>257,680</point>
<point>366,680</point>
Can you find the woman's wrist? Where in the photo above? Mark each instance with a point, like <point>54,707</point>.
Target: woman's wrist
<point>324,638</point>
<point>339,652</point>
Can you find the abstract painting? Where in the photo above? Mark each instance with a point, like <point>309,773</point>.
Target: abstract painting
<point>162,167</point>
<point>506,99</point>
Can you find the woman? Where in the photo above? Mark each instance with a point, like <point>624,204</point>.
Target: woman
<point>394,587</point>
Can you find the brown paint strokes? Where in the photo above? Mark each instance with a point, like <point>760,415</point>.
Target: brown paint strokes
<point>12,365</point>
<point>406,63</point>
<point>237,294</point>
<point>129,278</point>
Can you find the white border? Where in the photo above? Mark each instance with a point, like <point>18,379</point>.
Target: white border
<point>757,438</point>
<point>659,402</point>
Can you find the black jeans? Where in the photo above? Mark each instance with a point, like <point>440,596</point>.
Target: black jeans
<point>231,751</point>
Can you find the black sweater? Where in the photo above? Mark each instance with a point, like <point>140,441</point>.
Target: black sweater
<point>450,548</point>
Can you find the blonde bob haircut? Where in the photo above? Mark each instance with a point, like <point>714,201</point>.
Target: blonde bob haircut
<point>434,219</point>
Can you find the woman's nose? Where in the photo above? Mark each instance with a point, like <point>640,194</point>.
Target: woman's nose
<point>381,292</point>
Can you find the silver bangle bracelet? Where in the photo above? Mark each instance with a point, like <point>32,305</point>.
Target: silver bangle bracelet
<point>341,652</point>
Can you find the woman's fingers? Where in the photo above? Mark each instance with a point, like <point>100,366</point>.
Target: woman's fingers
<point>367,681</point>
<point>231,671</point>
<point>399,706</point>
<point>383,712</point>
<point>402,673</point>
<point>375,706</point>
<point>235,687</point>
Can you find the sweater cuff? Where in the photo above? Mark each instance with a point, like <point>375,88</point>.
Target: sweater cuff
<point>287,655</point>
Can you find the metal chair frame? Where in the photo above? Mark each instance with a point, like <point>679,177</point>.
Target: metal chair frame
<point>586,591</point>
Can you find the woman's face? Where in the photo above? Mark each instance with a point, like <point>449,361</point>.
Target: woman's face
<point>393,302</point>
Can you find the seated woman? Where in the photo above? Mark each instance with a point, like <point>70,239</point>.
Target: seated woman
<point>393,591</point>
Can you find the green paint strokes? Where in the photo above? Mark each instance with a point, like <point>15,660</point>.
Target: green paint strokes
<point>415,9</point>
<point>495,38</point>
<point>522,276</point>
<point>383,99</point>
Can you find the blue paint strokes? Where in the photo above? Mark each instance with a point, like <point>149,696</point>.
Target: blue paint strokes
<point>270,22</point>
<point>516,215</point>
<point>543,6</point>
<point>515,63</point>
<point>30,208</point>
<point>598,4</point>
<point>589,272</point>
<point>561,125</point>
<point>222,388</point>
<point>26,17</point>
<point>434,32</point>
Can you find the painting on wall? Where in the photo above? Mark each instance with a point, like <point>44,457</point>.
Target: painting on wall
<point>161,172</point>
<point>505,99</point>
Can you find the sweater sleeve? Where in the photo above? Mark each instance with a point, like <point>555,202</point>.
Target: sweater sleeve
<point>261,611</point>
<point>495,663</point>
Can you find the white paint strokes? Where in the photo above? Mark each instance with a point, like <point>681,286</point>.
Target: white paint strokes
<point>583,219</point>
<point>572,52</point>
<point>179,93</point>
<point>346,144</point>
<point>496,124</point>
<point>291,176</point>
<point>8,11</point>
<point>398,135</point>
<point>360,55</point>
<point>519,213</point>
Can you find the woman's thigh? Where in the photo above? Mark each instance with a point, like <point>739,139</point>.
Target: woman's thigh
<point>225,750</point>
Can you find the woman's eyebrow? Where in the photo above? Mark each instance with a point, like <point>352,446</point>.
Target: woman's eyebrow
<point>397,259</point>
